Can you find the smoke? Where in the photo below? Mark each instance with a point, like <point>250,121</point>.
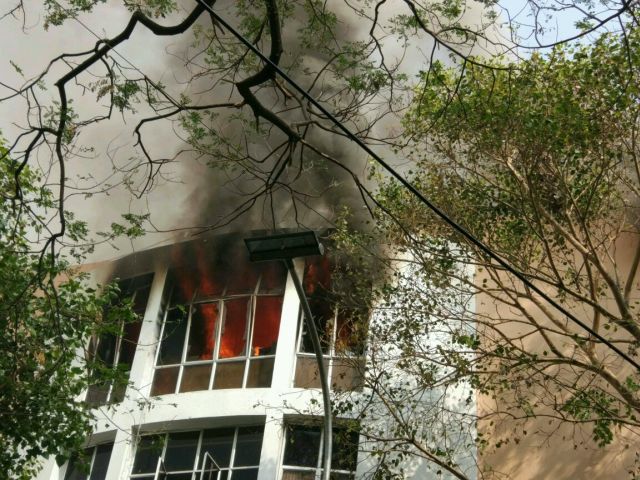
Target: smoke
<point>311,193</point>
<point>193,193</point>
<point>318,190</point>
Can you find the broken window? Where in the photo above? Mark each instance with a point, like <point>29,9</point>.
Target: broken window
<point>213,454</point>
<point>220,334</point>
<point>341,328</point>
<point>91,464</point>
<point>303,453</point>
<point>117,349</point>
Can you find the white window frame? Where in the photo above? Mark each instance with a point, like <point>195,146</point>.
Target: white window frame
<point>317,470</point>
<point>120,336</point>
<point>196,471</point>
<point>221,300</point>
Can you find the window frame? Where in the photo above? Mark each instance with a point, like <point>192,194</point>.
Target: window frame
<point>247,357</point>
<point>317,281</point>
<point>331,358</point>
<point>317,470</point>
<point>197,466</point>
<point>94,451</point>
<point>146,282</point>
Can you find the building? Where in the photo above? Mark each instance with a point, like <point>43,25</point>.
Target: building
<point>224,385</point>
<point>223,380</point>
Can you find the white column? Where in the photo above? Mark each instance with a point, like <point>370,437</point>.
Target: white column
<point>286,353</point>
<point>121,461</point>
<point>283,371</point>
<point>140,377</point>
<point>272,443</point>
<point>50,470</point>
<point>141,374</point>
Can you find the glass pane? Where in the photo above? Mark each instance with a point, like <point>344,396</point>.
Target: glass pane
<point>173,337</point>
<point>106,349</point>
<point>139,282</point>
<point>101,462</point>
<point>229,375</point>
<point>248,447</point>
<point>217,444</point>
<point>342,476</point>
<point>260,373</point>
<point>302,447</point>
<point>322,311</point>
<point>293,475</point>
<point>202,332</point>
<point>211,273</point>
<point>351,330</point>
<point>266,325</point>
<point>249,474</point>
<point>233,339</point>
<point>307,375</point>
<point>346,374</point>
<point>317,275</point>
<point>274,277</point>
<point>317,286</point>
<point>242,275</point>
<point>147,454</point>
<point>97,394</point>
<point>131,332</point>
<point>344,455</point>
<point>195,377</point>
<point>181,451</point>
<point>184,286</point>
<point>164,381</point>
<point>79,466</point>
<point>140,300</point>
<point>118,393</point>
<point>179,476</point>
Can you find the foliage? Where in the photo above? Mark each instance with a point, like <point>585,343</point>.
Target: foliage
<point>283,155</point>
<point>47,314</point>
<point>539,159</point>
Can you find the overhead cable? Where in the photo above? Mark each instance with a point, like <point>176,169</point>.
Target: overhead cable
<point>409,186</point>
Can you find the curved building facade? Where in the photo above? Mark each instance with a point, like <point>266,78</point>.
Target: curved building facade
<point>223,380</point>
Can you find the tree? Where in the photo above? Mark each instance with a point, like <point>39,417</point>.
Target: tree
<point>47,314</point>
<point>538,159</point>
<point>234,112</point>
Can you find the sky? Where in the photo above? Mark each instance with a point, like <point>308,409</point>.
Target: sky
<point>31,47</point>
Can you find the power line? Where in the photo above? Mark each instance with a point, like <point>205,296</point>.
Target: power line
<point>452,223</point>
<point>457,227</point>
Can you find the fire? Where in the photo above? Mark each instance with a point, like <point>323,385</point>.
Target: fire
<point>267,325</point>
<point>317,273</point>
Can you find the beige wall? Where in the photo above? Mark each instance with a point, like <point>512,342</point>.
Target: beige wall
<point>551,449</point>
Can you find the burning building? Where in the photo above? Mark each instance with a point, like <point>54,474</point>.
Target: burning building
<point>223,381</point>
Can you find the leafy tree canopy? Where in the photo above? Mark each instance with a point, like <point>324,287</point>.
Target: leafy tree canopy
<point>539,159</point>
<point>47,314</point>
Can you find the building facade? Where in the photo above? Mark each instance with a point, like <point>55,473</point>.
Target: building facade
<point>223,380</point>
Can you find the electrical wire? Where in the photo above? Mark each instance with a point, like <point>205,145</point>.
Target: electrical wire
<point>409,186</point>
<point>457,227</point>
<point>308,316</point>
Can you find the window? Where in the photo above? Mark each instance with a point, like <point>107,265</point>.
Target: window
<point>215,454</point>
<point>341,331</point>
<point>303,453</point>
<point>117,349</point>
<point>221,328</point>
<point>91,464</point>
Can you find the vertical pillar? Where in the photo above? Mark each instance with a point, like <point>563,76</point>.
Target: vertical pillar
<point>283,371</point>
<point>286,354</point>
<point>140,377</point>
<point>141,374</point>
